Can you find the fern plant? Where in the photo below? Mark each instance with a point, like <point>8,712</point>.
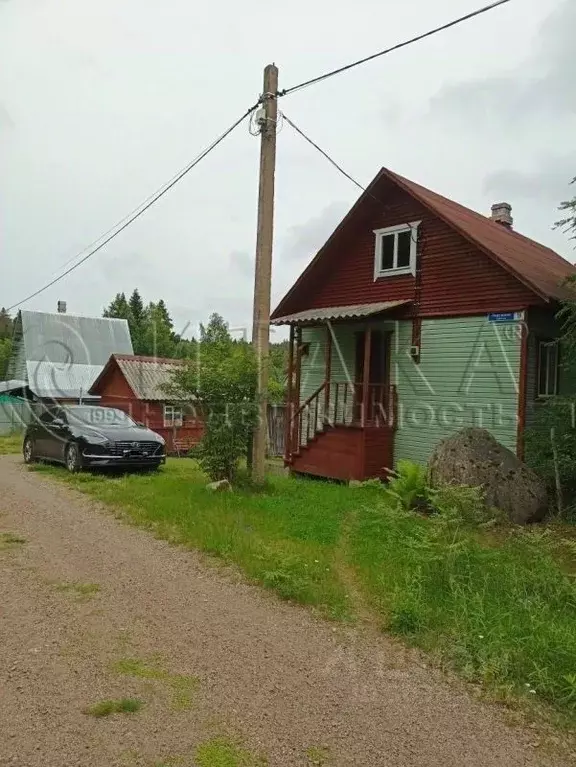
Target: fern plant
<point>408,485</point>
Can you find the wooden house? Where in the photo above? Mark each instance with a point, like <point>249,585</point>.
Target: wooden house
<point>416,318</point>
<point>136,385</point>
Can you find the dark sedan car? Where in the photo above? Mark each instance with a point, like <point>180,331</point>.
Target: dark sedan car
<point>83,436</point>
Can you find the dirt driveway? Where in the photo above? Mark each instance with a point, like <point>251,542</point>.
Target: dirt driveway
<point>93,609</point>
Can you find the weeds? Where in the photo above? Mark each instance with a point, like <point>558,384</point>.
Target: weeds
<point>11,444</point>
<point>222,752</point>
<point>109,707</point>
<point>82,591</point>
<point>9,540</point>
<point>181,685</point>
<point>319,756</point>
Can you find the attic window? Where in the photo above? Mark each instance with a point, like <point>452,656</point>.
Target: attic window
<point>395,251</point>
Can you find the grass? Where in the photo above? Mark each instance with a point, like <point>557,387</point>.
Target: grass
<point>182,686</point>
<point>11,443</point>
<point>10,540</point>
<point>222,752</point>
<point>82,591</point>
<point>109,707</point>
<point>500,610</point>
<point>319,756</point>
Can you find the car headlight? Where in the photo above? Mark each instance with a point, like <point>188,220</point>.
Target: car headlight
<point>98,439</point>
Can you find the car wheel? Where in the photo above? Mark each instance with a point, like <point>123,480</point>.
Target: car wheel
<point>28,451</point>
<point>73,462</point>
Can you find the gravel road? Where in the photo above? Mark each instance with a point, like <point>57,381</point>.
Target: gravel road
<point>94,609</point>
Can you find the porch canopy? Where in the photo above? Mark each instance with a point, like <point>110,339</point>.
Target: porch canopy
<point>355,311</point>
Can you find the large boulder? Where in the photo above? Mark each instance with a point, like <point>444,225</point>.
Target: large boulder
<point>474,457</point>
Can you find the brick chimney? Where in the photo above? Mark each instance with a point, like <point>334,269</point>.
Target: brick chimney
<point>502,214</point>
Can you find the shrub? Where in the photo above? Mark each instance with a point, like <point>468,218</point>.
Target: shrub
<point>551,449</point>
<point>408,486</point>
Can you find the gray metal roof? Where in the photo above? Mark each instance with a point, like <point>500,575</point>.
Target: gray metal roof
<point>76,340</point>
<point>61,355</point>
<point>12,385</point>
<point>60,380</point>
<point>147,377</point>
<point>337,313</point>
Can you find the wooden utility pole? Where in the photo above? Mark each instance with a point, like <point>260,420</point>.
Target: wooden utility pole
<point>263,268</point>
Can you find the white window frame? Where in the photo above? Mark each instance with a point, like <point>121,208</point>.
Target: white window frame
<point>173,415</point>
<point>544,345</point>
<point>412,227</point>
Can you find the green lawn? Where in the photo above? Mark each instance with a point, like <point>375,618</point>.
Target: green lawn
<point>11,443</point>
<point>501,611</point>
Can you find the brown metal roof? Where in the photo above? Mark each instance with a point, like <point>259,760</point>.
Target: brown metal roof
<point>539,267</point>
<point>338,313</point>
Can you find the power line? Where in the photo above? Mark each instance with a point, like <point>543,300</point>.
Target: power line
<point>142,208</point>
<point>335,164</point>
<point>396,47</point>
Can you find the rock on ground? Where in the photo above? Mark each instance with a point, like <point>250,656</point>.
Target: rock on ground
<point>474,457</point>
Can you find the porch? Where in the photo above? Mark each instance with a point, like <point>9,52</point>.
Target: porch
<point>341,405</point>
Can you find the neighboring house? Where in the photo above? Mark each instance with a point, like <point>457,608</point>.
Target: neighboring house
<point>137,385</point>
<point>59,356</point>
<point>416,318</point>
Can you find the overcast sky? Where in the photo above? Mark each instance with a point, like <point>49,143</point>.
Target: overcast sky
<point>103,101</point>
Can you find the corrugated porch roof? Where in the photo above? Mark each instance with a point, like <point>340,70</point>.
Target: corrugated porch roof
<point>355,311</point>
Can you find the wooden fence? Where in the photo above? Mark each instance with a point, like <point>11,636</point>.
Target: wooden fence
<point>276,430</point>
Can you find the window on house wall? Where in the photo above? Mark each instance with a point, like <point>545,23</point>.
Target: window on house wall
<point>395,251</point>
<point>548,358</point>
<point>173,415</point>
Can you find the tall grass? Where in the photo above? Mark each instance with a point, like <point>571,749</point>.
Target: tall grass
<point>503,614</point>
<point>11,443</point>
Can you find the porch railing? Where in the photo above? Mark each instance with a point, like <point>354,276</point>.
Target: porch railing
<point>337,403</point>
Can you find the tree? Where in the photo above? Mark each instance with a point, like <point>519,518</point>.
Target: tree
<point>568,223</point>
<point>157,337</point>
<point>215,331</point>
<point>119,308</point>
<point>223,378</point>
<point>6,326</point>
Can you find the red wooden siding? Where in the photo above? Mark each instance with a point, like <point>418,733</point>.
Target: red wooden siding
<point>345,453</point>
<point>115,392</point>
<point>454,276</point>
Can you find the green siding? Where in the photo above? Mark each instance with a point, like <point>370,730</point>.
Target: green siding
<point>468,376</point>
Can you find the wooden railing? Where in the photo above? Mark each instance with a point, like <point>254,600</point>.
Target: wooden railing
<point>347,406</point>
<point>340,404</point>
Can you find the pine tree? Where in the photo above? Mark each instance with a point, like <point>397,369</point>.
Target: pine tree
<point>158,338</point>
<point>5,324</point>
<point>137,307</point>
<point>216,331</point>
<point>119,308</point>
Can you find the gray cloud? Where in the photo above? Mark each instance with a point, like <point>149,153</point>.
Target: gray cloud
<point>242,262</point>
<point>548,181</point>
<point>542,86</point>
<point>303,240</point>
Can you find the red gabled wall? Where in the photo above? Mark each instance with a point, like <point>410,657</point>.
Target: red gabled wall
<point>116,392</point>
<point>454,276</point>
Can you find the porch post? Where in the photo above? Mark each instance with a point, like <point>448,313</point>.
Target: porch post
<point>289,402</point>
<point>366,381</point>
<point>295,430</point>
<point>328,372</point>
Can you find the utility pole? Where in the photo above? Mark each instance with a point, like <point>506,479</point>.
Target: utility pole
<point>267,119</point>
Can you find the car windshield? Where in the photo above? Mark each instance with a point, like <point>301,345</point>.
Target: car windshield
<point>99,416</point>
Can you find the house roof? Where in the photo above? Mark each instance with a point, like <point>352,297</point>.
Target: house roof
<point>60,355</point>
<point>538,267</point>
<point>57,380</point>
<point>338,313</point>
<point>146,376</point>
